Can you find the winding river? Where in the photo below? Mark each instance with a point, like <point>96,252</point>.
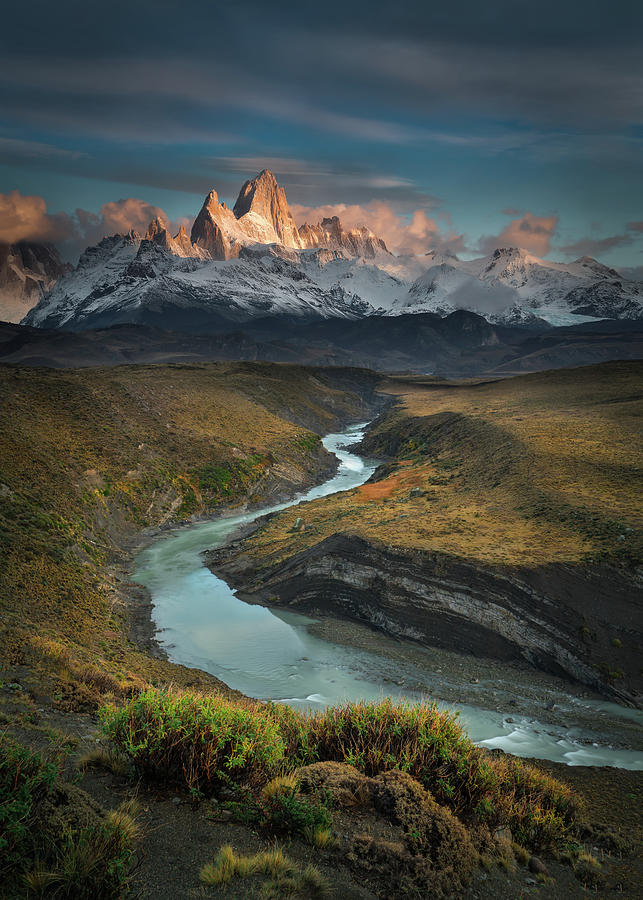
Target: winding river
<point>271,654</point>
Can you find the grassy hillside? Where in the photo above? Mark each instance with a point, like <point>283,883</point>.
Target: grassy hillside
<point>525,471</point>
<point>91,458</point>
<point>522,496</point>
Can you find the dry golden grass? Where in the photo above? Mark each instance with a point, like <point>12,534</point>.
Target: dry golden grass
<point>91,457</point>
<point>530,470</point>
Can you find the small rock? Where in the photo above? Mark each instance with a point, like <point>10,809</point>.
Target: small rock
<point>176,801</point>
<point>530,881</point>
<point>503,834</point>
<point>537,866</point>
<point>225,815</point>
<point>298,525</point>
<point>475,681</point>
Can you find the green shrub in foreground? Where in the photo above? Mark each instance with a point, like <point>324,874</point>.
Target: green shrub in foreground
<point>281,809</point>
<point>53,841</point>
<point>417,738</point>
<point>25,780</point>
<point>199,741</point>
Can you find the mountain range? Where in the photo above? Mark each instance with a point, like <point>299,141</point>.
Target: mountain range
<point>252,261</point>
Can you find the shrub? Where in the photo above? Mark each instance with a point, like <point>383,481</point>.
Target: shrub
<point>54,840</point>
<point>419,739</point>
<point>25,780</point>
<point>280,808</point>
<point>194,740</point>
<point>540,811</point>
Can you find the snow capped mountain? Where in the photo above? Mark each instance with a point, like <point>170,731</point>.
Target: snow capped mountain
<point>252,261</point>
<point>262,200</point>
<point>27,272</point>
<point>129,279</point>
<point>260,215</point>
<point>512,285</point>
<point>445,288</point>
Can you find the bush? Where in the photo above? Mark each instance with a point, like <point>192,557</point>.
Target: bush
<point>540,811</point>
<point>280,808</point>
<point>416,738</point>
<point>54,840</point>
<point>25,780</point>
<point>201,741</point>
<point>193,740</point>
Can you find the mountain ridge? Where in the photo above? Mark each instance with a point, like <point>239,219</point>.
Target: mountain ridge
<point>252,260</point>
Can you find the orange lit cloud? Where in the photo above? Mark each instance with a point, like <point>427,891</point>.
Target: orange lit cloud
<point>533,233</point>
<point>25,218</point>
<point>401,234</point>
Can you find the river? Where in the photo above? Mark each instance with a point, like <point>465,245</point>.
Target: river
<point>271,654</point>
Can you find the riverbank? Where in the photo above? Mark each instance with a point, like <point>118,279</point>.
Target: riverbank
<point>505,524</point>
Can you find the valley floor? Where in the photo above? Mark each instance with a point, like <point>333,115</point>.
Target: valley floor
<point>98,457</point>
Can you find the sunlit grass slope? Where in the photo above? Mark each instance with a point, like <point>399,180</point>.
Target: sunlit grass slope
<point>527,471</point>
<point>89,458</point>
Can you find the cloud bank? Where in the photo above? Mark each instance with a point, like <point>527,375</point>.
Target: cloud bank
<point>25,218</point>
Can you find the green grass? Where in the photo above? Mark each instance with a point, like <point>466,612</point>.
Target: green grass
<point>92,457</point>
<point>202,742</point>
<point>53,843</point>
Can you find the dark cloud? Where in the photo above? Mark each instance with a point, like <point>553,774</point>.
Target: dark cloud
<point>343,100</point>
<point>589,246</point>
<point>86,28</point>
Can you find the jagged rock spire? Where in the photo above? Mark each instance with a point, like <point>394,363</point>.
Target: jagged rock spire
<point>263,197</point>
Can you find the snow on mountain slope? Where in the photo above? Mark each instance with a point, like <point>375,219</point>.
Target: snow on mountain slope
<point>525,286</point>
<point>359,276</point>
<point>444,288</point>
<point>129,279</point>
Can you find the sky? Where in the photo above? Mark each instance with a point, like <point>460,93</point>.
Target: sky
<point>462,126</point>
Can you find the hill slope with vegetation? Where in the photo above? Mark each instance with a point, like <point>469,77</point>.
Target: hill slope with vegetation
<point>90,459</point>
<point>506,522</point>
